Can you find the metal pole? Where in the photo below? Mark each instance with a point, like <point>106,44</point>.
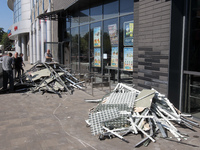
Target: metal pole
<point>182,58</point>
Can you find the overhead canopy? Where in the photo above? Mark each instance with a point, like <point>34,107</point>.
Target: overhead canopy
<point>53,15</point>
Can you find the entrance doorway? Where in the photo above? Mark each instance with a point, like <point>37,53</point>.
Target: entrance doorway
<point>192,61</point>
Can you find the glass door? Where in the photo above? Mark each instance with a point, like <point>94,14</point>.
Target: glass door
<point>192,61</point>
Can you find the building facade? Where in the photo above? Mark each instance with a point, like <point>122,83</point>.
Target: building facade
<point>148,43</point>
<point>155,43</point>
<point>19,31</point>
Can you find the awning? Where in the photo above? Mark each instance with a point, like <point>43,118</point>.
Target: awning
<point>53,15</point>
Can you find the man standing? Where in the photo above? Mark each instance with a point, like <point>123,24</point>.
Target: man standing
<point>48,56</point>
<point>17,66</point>
<point>22,63</point>
<point>7,62</point>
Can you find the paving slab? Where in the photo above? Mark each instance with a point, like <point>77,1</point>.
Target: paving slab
<point>46,122</point>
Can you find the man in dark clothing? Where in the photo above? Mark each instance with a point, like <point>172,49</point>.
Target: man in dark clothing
<point>22,63</point>
<point>7,62</point>
<point>17,65</point>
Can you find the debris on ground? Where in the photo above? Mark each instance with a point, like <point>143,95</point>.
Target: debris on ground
<point>127,110</point>
<point>48,77</point>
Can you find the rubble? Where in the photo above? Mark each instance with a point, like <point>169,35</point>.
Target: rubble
<point>126,110</point>
<point>48,77</point>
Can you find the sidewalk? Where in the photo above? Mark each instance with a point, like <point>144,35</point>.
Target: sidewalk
<point>46,122</point>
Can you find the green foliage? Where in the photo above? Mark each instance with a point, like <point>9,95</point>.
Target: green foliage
<point>1,33</point>
<point>6,41</point>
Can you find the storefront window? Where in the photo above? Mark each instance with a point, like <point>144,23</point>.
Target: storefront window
<point>111,9</point>
<point>84,49</point>
<point>122,44</point>
<point>95,47</point>
<point>126,6</point>
<point>74,49</point>
<point>126,49</point>
<point>194,52</point>
<point>75,19</point>
<point>192,104</point>
<point>68,23</point>
<point>84,16</point>
<point>96,13</point>
<point>110,45</point>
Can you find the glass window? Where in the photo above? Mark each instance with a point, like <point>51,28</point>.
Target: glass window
<point>68,23</point>
<point>126,6</point>
<point>96,13</point>
<point>110,45</point>
<point>75,19</point>
<point>111,9</point>
<point>121,37</point>
<point>84,16</point>
<point>17,11</point>
<point>194,51</point>
<point>74,49</point>
<point>110,38</point>
<point>84,49</point>
<point>92,48</point>
<point>125,76</point>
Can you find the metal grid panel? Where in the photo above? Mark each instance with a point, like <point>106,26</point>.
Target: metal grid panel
<point>98,117</point>
<point>122,98</point>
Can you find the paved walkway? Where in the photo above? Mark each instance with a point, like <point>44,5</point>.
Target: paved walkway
<point>47,122</point>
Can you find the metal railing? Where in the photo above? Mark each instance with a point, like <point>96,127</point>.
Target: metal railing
<point>189,75</point>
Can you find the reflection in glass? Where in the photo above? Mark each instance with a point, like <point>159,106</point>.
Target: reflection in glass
<point>194,50</point>
<point>125,76</point>
<point>84,16</point>
<point>84,52</point>
<point>195,94</point>
<point>111,9</point>
<point>74,49</point>
<point>110,32</point>
<point>93,25</point>
<point>121,36</point>
<point>126,6</point>
<point>96,13</point>
<point>75,19</point>
<point>107,39</point>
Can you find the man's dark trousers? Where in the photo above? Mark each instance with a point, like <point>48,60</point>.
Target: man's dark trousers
<point>8,74</point>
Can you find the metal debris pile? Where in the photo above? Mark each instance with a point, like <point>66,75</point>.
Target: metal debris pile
<point>49,77</point>
<point>127,110</point>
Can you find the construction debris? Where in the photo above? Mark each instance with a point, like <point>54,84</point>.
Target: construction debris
<point>48,77</point>
<point>127,110</point>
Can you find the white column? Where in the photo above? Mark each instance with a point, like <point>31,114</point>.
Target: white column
<point>34,44</point>
<point>43,39</point>
<point>16,44</point>
<point>24,46</point>
<point>38,39</point>
<point>19,44</point>
<point>49,28</point>
<point>31,45</point>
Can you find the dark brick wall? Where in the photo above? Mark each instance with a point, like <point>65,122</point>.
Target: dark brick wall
<point>152,44</point>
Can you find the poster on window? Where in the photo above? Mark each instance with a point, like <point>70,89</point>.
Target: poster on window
<point>112,29</point>
<point>97,37</point>
<point>97,57</point>
<point>128,58</point>
<point>128,33</point>
<point>114,57</point>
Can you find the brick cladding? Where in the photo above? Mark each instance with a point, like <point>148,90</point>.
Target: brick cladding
<point>151,44</point>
